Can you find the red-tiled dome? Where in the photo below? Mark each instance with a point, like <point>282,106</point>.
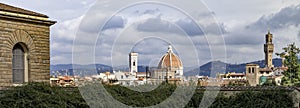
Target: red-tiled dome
<point>170,60</point>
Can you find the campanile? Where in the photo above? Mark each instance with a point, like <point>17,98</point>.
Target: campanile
<point>269,49</point>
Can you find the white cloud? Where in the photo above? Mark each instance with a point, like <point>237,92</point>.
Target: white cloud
<point>234,15</point>
<point>66,29</point>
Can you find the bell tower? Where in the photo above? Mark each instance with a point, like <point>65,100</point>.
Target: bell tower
<point>269,49</point>
<point>133,60</point>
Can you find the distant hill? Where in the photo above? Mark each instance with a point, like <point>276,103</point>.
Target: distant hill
<point>75,69</point>
<point>125,68</point>
<point>76,66</point>
<point>221,67</point>
<point>206,69</point>
<point>90,69</point>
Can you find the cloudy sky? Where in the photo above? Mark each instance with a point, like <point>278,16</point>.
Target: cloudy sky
<point>103,31</point>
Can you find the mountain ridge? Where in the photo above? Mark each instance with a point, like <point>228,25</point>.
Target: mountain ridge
<point>214,67</point>
<point>208,69</point>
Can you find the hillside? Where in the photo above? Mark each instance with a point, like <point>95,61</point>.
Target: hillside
<point>206,69</point>
<point>90,69</point>
<point>82,70</point>
<point>221,67</point>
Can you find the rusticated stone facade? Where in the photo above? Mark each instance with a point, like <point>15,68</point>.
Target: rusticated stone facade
<point>24,46</point>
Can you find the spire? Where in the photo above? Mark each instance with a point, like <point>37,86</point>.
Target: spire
<point>269,31</point>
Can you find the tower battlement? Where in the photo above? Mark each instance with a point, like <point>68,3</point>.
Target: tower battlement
<point>269,49</point>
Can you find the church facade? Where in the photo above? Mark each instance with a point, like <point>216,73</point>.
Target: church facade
<point>24,46</point>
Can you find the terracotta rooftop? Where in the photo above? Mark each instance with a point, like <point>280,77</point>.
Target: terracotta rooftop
<point>8,8</point>
<point>170,60</point>
<point>166,61</point>
<point>66,78</point>
<point>282,68</point>
<point>265,70</point>
<point>251,64</point>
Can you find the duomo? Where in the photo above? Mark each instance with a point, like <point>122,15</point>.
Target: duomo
<point>170,68</point>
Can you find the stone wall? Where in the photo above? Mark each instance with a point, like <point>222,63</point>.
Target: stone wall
<point>36,38</point>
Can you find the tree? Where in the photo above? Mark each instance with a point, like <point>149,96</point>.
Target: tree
<point>269,83</point>
<point>292,74</point>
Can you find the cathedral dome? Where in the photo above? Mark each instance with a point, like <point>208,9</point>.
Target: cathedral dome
<point>170,60</point>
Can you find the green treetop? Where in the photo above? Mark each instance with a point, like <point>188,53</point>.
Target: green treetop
<point>292,74</point>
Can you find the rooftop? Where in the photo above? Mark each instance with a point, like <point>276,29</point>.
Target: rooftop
<point>265,70</point>
<point>12,9</point>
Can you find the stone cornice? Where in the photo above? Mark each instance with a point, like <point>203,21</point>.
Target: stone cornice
<point>27,19</point>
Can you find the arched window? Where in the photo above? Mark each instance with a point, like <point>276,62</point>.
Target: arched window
<point>249,70</point>
<point>18,64</point>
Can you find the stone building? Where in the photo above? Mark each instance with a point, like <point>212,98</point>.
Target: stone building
<point>252,74</point>
<point>232,76</point>
<point>24,46</point>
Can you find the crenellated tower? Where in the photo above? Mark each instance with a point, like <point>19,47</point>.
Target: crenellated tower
<point>269,49</point>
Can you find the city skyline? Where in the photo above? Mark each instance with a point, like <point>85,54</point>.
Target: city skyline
<point>158,53</point>
<point>243,29</point>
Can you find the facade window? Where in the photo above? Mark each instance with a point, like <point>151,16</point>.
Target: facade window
<point>249,70</point>
<point>18,64</point>
<point>133,63</point>
<point>121,76</point>
<point>253,70</point>
<point>268,72</point>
